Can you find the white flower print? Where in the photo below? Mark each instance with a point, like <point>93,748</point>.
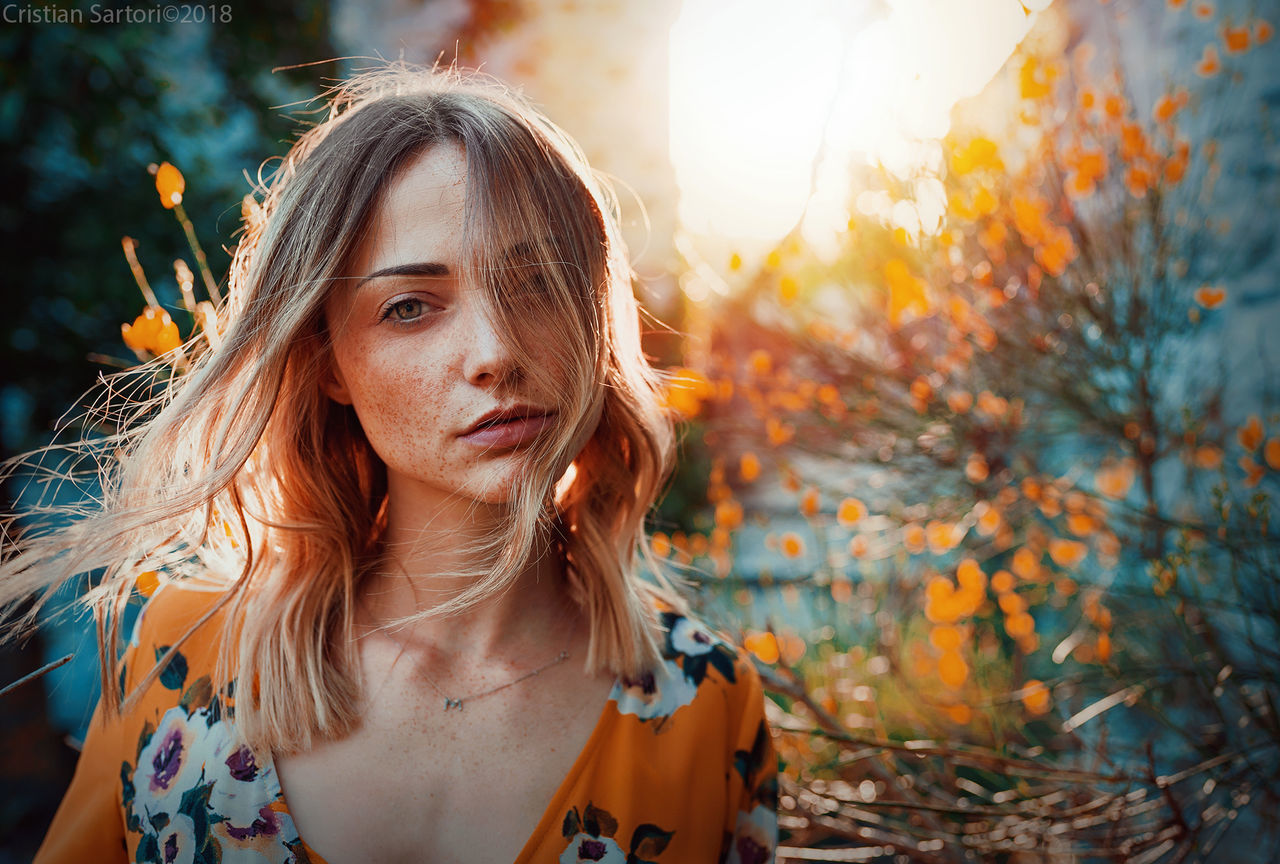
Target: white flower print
<point>177,840</point>
<point>186,753</point>
<point>754,837</point>
<point>690,639</point>
<point>242,789</point>
<point>584,847</point>
<point>165,767</point>
<point>655,694</point>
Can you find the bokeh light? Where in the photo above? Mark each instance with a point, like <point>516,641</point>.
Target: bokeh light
<point>769,102</point>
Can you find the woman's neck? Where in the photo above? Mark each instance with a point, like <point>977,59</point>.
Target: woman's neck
<point>421,568</point>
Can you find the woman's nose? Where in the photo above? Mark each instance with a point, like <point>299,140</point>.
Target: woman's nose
<point>487,360</point>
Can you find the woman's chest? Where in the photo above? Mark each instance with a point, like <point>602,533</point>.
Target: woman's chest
<point>417,782</point>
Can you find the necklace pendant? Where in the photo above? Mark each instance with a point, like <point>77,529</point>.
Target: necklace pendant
<point>452,703</point>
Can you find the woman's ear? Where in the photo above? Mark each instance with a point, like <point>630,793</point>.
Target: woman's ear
<point>333,384</point>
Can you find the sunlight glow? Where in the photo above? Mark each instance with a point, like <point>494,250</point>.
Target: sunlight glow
<point>762,90</point>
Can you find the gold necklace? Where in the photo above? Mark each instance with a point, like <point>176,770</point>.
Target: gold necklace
<point>452,702</point>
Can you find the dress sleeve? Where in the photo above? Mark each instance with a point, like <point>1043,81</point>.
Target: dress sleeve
<point>752,824</point>
<point>89,823</point>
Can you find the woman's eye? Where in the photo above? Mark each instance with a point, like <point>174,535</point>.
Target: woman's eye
<point>409,309</point>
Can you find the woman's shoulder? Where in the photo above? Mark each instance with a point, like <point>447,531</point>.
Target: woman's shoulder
<point>700,649</point>
<point>187,616</point>
<point>699,667</point>
<point>689,638</point>
<point>189,782</point>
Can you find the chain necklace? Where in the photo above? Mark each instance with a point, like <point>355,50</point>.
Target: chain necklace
<point>455,703</point>
<point>451,702</point>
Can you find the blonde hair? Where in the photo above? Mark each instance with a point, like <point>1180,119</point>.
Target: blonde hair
<point>242,472</point>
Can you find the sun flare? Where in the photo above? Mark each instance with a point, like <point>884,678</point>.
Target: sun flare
<point>771,102</point>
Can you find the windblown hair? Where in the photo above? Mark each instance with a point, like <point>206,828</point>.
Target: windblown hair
<point>241,472</point>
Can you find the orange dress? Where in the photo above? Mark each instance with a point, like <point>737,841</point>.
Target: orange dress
<point>679,769</point>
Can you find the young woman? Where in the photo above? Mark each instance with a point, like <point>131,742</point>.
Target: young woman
<point>391,521</point>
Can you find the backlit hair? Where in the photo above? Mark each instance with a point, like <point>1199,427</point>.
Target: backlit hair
<point>242,473</point>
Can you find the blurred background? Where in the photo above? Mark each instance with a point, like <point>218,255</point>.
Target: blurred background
<point>971,318</point>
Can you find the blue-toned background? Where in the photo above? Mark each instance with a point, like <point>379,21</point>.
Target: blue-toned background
<point>806,210</point>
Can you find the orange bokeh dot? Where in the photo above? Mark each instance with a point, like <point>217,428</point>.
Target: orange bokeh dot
<point>952,670</point>
<point>945,637</point>
<point>810,502</point>
<point>1002,581</point>
<point>763,645</point>
<point>851,511</point>
<point>1019,625</point>
<point>147,582</point>
<point>1036,697</point>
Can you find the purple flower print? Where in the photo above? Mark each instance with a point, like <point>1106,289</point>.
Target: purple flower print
<point>751,852</point>
<point>755,836</point>
<point>689,639</point>
<point>242,765</point>
<point>266,825</point>
<point>645,683</point>
<point>167,762</point>
<point>591,850</point>
<point>177,841</point>
<point>656,693</point>
<point>166,766</point>
<point>585,847</point>
<point>197,762</point>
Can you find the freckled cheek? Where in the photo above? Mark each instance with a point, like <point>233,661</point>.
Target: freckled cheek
<point>403,411</point>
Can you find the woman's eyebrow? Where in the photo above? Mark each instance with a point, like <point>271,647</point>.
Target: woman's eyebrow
<point>421,268</point>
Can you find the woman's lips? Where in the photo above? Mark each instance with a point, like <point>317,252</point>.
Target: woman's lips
<point>510,433</point>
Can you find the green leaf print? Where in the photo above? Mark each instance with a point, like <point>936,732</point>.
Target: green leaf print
<point>749,762</point>
<point>195,804</point>
<point>174,675</point>
<point>144,737</point>
<point>159,821</point>
<point>148,849</point>
<point>599,823</point>
<point>722,660</point>
<point>572,823</point>
<point>127,790</point>
<point>647,842</point>
<point>198,694</point>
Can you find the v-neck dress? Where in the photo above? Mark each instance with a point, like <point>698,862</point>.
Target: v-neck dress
<point>679,769</point>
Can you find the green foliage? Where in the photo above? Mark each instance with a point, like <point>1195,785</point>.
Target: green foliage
<point>84,110</point>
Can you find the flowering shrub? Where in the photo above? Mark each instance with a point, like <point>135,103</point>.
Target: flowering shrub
<point>1033,540</point>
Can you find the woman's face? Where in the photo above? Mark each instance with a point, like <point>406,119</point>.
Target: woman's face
<point>417,357</point>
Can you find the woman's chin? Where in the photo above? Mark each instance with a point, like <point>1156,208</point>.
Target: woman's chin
<point>500,490</point>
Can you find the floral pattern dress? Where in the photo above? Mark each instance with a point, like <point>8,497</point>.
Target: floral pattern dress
<point>680,767</point>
